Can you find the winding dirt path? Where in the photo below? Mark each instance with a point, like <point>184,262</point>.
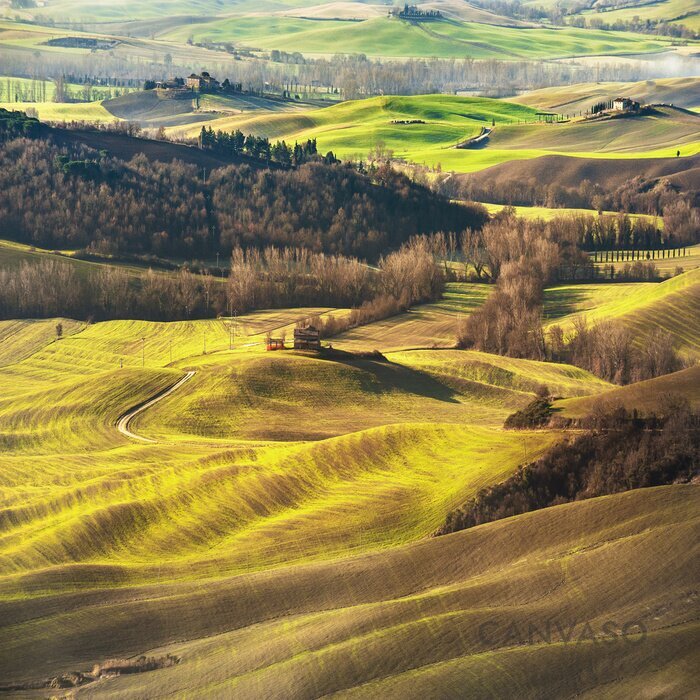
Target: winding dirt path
<point>126,418</point>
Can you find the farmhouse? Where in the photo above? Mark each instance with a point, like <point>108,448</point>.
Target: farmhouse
<point>202,83</point>
<point>308,338</point>
<point>624,104</point>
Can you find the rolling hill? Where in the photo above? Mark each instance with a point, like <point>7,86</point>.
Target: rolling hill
<point>682,92</point>
<point>275,533</point>
<point>422,619</point>
<point>609,173</point>
<point>150,108</point>
<point>427,129</point>
<point>644,396</point>
<point>661,127</point>
<point>672,306</point>
<point>400,123</point>
<point>391,37</point>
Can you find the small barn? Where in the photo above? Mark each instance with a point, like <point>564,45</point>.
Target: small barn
<point>308,338</point>
<point>274,344</point>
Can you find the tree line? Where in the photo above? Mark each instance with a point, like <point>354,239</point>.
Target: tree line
<point>522,257</point>
<point>177,210</point>
<point>259,278</point>
<point>352,76</point>
<point>259,147</point>
<point>640,195</point>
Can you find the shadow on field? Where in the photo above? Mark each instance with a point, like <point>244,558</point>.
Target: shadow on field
<point>562,302</point>
<point>385,377</point>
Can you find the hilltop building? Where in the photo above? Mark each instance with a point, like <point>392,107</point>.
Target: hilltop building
<point>624,104</point>
<point>202,83</point>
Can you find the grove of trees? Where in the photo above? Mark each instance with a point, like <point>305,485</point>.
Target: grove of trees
<point>111,206</point>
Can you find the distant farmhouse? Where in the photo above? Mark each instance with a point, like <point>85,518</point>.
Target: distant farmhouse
<point>411,12</point>
<point>625,104</point>
<point>202,83</point>
<point>619,105</point>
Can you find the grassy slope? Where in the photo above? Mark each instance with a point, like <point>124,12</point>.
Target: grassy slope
<point>673,306</point>
<point>684,12</point>
<point>13,255</point>
<point>357,125</point>
<point>381,36</point>
<point>405,622</point>
<point>17,38</point>
<point>20,339</point>
<point>643,396</point>
<point>668,266</point>
<point>149,109</point>
<point>351,129</point>
<point>11,86</point>
<point>582,96</point>
<point>549,213</point>
<point>59,112</point>
<point>664,128</point>
<point>246,492</point>
<point>258,460</point>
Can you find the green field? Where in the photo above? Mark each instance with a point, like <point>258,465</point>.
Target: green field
<point>356,126</point>
<point>549,213</point>
<point>65,112</point>
<point>352,129</point>
<point>644,396</point>
<point>18,38</point>
<point>274,532</point>
<point>667,265</point>
<point>268,518</point>
<point>671,306</point>
<point>27,90</point>
<point>390,37</point>
<point>684,12</point>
